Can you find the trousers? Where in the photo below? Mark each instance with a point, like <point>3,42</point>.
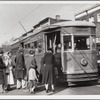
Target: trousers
<point>21,83</point>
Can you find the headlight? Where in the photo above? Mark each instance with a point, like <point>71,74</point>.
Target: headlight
<point>84,62</point>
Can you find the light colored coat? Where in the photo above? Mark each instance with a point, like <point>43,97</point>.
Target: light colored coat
<point>10,76</point>
<point>32,74</point>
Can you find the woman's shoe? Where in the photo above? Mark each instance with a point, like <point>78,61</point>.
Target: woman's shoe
<point>53,90</point>
<point>33,92</point>
<point>46,91</point>
<point>8,89</point>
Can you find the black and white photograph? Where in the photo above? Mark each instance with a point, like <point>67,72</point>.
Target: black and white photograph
<point>50,49</point>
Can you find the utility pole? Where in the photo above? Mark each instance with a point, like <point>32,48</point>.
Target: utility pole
<point>22,26</point>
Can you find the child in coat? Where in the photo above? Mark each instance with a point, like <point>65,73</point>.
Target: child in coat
<point>32,75</point>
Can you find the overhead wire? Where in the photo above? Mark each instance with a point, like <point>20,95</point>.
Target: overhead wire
<point>31,11</point>
<point>22,19</point>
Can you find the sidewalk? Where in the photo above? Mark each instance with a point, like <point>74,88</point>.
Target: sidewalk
<point>39,90</point>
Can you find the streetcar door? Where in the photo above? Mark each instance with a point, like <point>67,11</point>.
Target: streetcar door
<point>67,48</point>
<point>52,40</point>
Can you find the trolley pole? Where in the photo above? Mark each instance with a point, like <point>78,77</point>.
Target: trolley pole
<point>22,26</point>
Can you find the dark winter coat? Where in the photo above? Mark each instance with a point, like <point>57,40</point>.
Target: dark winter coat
<point>41,75</point>
<point>2,67</point>
<point>20,70</point>
<point>33,62</point>
<point>48,74</point>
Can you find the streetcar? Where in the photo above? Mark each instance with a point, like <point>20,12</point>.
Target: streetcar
<point>78,48</point>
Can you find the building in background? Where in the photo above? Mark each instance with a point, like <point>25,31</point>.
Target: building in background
<point>91,15</point>
<point>48,21</point>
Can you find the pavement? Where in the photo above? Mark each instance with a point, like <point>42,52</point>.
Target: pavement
<point>60,89</point>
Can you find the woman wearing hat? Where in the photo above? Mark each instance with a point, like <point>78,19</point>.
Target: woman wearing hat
<point>49,76</point>
<point>9,70</point>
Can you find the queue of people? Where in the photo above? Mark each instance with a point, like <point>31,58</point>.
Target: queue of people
<point>10,74</point>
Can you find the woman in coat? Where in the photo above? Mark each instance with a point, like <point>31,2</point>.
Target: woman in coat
<point>49,76</point>
<point>9,71</point>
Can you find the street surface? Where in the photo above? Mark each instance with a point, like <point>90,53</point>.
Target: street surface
<point>61,89</point>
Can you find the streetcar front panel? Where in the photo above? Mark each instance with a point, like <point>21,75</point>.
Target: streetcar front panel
<point>79,58</point>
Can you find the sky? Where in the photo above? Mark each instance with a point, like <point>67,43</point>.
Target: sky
<point>30,14</point>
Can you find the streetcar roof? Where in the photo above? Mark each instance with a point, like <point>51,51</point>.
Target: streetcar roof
<point>62,24</point>
<point>75,23</point>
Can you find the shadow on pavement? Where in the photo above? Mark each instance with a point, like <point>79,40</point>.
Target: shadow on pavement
<point>83,84</point>
<point>58,88</point>
<point>12,88</point>
<point>63,86</point>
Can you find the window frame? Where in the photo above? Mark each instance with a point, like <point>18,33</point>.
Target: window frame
<point>72,41</point>
<point>82,36</point>
<point>92,42</point>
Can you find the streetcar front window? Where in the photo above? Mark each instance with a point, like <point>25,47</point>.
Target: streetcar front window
<point>67,43</point>
<point>81,42</point>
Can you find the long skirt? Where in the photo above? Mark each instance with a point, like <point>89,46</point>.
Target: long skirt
<point>10,78</point>
<point>48,75</point>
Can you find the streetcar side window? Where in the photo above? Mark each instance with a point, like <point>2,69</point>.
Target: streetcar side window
<point>29,45</point>
<point>67,43</point>
<point>35,44</point>
<point>39,45</point>
<point>81,42</point>
<point>35,47</point>
<point>25,46</point>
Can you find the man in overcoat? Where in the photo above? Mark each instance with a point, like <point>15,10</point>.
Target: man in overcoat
<point>2,73</point>
<point>20,69</point>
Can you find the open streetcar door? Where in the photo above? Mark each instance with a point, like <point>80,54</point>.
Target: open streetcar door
<point>52,40</point>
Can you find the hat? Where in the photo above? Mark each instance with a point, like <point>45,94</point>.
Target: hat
<point>1,51</point>
<point>50,49</point>
<point>31,52</point>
